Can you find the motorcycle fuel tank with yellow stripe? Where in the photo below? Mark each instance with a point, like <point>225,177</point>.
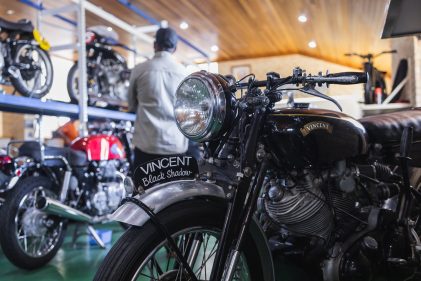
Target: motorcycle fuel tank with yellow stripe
<point>303,137</point>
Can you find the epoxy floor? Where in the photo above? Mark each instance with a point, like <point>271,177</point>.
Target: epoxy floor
<point>77,262</point>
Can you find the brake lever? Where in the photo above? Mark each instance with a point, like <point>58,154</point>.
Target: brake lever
<point>310,89</point>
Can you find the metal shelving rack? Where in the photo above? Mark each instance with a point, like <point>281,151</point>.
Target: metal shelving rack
<point>18,104</point>
<point>24,105</point>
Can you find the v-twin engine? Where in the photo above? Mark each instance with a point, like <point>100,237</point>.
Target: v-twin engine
<point>301,209</point>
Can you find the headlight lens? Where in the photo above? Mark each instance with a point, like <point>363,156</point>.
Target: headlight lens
<point>201,106</point>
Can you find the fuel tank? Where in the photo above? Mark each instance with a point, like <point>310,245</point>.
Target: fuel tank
<point>100,147</point>
<point>303,137</point>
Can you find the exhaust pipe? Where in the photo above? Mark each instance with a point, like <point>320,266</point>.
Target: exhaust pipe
<point>54,207</point>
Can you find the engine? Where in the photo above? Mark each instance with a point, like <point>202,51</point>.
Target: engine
<point>335,205</point>
<point>299,206</point>
<point>115,74</point>
<point>110,188</point>
<point>307,204</point>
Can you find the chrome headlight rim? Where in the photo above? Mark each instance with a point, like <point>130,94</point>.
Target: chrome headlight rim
<point>217,89</point>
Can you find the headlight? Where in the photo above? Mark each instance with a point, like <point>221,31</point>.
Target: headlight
<point>203,106</point>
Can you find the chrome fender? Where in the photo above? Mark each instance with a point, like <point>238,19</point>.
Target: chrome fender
<point>164,195</point>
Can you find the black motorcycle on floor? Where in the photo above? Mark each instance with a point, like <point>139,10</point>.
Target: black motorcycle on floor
<point>315,187</point>
<point>375,88</point>
<point>24,61</point>
<point>108,74</point>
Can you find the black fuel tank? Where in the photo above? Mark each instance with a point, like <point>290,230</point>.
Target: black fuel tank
<point>303,137</point>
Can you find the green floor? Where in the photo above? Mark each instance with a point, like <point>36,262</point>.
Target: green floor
<point>77,262</point>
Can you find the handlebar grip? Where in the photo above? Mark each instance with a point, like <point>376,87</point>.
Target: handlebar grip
<point>347,78</point>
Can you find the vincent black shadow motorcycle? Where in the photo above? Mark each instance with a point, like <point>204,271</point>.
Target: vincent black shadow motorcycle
<point>108,74</point>
<point>314,187</point>
<point>24,61</point>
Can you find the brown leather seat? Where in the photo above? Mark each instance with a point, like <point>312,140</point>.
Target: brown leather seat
<point>388,128</point>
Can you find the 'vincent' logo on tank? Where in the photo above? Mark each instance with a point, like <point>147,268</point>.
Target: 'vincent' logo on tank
<point>316,125</point>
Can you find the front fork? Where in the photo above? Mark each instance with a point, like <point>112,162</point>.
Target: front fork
<point>242,206</point>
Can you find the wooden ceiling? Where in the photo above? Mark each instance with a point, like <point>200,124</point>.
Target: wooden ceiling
<point>251,28</point>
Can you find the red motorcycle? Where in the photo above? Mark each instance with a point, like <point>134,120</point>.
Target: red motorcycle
<point>82,183</point>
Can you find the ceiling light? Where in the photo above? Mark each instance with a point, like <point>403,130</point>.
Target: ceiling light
<point>312,44</point>
<point>214,48</point>
<point>109,28</point>
<point>184,25</point>
<point>302,18</point>
<point>10,12</point>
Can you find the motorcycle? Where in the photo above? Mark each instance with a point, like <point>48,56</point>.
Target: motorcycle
<point>24,61</point>
<point>108,74</point>
<point>81,183</point>
<point>11,169</point>
<point>314,187</point>
<point>375,88</point>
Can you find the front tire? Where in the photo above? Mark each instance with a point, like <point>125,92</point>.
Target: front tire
<point>32,82</point>
<point>29,237</point>
<point>141,251</point>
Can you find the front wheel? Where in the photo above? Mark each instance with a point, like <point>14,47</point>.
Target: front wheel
<point>29,237</point>
<point>73,85</point>
<point>142,253</point>
<point>32,71</point>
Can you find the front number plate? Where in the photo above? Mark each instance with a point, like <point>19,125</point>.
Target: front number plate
<point>166,169</point>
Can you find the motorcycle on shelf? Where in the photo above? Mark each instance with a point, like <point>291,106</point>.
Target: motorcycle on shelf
<point>375,88</point>
<point>24,61</point>
<point>81,183</point>
<point>108,74</point>
<point>313,188</point>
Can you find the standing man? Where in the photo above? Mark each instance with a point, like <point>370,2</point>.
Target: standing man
<point>153,85</point>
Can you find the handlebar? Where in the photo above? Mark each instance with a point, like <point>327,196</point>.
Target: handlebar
<point>341,78</point>
<point>369,55</point>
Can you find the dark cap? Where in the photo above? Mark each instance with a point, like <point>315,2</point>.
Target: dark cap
<point>166,38</point>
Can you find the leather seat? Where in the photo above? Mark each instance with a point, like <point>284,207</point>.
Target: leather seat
<point>388,128</point>
<point>74,157</point>
<point>24,25</point>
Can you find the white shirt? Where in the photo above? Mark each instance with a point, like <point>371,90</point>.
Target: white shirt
<point>153,85</point>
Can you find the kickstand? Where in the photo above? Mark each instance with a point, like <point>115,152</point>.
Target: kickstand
<point>91,230</point>
<point>96,237</point>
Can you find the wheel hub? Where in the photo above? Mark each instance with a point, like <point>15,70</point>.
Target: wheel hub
<point>34,222</point>
<point>27,74</point>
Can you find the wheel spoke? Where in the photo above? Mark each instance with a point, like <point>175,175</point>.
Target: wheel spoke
<point>198,247</point>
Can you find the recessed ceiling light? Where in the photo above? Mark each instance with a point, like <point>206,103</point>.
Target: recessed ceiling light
<point>302,18</point>
<point>184,25</point>
<point>214,48</point>
<point>109,28</point>
<point>312,44</point>
<point>10,12</point>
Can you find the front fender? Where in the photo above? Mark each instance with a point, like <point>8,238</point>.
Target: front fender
<point>164,195</point>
